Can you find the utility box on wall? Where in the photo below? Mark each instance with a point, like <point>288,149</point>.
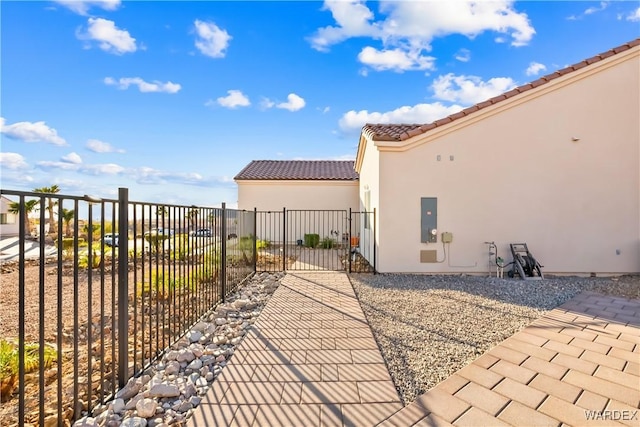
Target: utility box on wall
<point>429,219</point>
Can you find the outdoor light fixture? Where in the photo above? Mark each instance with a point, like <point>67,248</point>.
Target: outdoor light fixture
<point>575,139</point>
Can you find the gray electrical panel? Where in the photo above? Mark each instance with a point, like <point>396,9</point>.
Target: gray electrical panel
<point>429,219</point>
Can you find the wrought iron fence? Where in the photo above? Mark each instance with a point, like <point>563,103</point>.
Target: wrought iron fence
<point>95,290</point>
<point>93,297</point>
<point>316,240</point>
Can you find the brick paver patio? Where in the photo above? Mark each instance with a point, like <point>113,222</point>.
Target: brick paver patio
<point>580,360</point>
<point>311,360</point>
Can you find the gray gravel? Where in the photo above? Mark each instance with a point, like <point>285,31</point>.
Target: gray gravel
<point>428,327</point>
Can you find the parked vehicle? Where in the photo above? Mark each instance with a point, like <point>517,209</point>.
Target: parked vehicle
<point>162,231</point>
<point>110,239</point>
<point>202,232</point>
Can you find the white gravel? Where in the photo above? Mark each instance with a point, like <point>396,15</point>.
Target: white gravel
<point>428,327</point>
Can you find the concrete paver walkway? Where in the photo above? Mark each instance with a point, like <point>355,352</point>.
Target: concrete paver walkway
<point>579,365</point>
<point>310,360</point>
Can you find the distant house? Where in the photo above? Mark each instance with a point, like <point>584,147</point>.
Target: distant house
<point>554,163</point>
<point>9,223</point>
<point>298,184</point>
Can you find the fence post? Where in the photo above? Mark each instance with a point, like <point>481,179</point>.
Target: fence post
<point>375,270</point>
<point>123,286</point>
<point>255,240</point>
<point>349,240</point>
<point>22,233</point>
<point>223,251</point>
<point>284,239</point>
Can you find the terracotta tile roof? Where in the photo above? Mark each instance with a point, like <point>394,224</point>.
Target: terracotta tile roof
<point>322,170</point>
<point>401,132</point>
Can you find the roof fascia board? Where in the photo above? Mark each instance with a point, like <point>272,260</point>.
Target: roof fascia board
<point>335,182</point>
<point>362,147</point>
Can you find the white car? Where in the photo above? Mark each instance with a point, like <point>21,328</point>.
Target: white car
<point>110,239</point>
<point>162,231</point>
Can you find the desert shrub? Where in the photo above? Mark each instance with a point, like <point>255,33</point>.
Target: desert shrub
<point>9,363</point>
<point>327,243</point>
<point>161,285</point>
<point>156,240</point>
<point>311,240</point>
<point>246,241</point>
<point>83,260</point>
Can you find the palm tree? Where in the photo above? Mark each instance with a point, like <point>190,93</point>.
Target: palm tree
<point>161,213</point>
<point>67,217</point>
<point>50,203</point>
<point>192,216</point>
<point>29,206</point>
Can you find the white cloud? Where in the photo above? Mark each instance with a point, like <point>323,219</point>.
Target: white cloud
<point>48,164</point>
<point>294,103</point>
<point>94,169</point>
<point>72,157</point>
<point>147,175</point>
<point>395,59</point>
<point>589,11</point>
<point>352,121</point>
<point>469,89</point>
<point>12,161</point>
<point>98,146</point>
<point>81,7</point>
<point>594,9</point>
<point>109,37</point>
<point>266,103</point>
<point>634,16</point>
<point>535,68</point>
<point>234,99</point>
<point>143,86</point>
<point>410,26</point>
<point>31,132</point>
<point>352,18</point>
<point>463,55</point>
<point>103,169</point>
<point>211,40</point>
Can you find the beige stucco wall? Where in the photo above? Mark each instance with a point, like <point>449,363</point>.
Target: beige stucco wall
<point>517,175</point>
<point>299,195</point>
<point>369,174</point>
<point>275,195</point>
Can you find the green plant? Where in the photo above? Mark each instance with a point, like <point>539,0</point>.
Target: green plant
<point>327,243</point>
<point>83,260</point>
<point>161,285</point>
<point>9,363</point>
<point>245,242</point>
<point>67,246</point>
<point>156,240</point>
<point>311,240</point>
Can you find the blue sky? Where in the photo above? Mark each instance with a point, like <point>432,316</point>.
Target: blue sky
<point>172,99</point>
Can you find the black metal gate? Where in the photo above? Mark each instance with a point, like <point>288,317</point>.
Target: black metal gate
<point>333,240</point>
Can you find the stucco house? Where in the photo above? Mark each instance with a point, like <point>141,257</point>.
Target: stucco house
<point>299,185</point>
<point>271,185</point>
<point>554,163</point>
<point>9,223</point>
